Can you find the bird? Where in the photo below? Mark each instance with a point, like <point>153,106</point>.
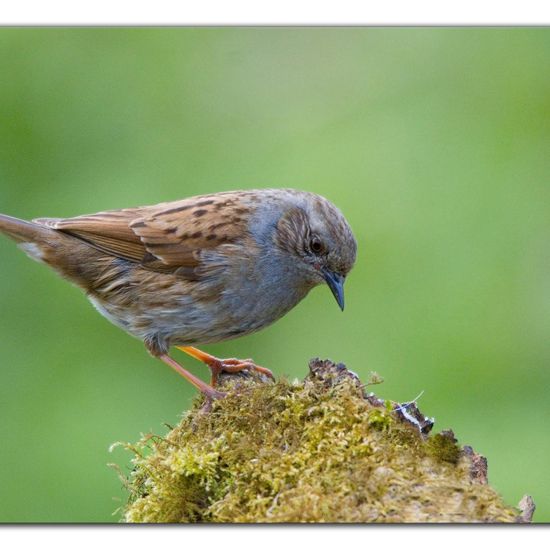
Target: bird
<point>198,270</point>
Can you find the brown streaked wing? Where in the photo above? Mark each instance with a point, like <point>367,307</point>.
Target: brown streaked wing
<point>165,236</point>
<point>177,232</point>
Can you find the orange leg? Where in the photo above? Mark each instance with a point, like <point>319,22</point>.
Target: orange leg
<point>218,366</point>
<point>207,390</point>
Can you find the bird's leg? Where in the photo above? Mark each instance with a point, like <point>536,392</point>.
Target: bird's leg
<point>203,387</point>
<point>218,366</point>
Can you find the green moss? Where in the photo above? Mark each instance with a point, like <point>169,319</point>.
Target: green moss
<point>443,446</point>
<point>316,451</point>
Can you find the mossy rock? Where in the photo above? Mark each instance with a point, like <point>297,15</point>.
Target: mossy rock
<point>314,451</point>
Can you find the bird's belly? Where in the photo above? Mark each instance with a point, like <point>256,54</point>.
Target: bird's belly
<point>254,309</point>
<point>185,325</point>
<point>221,321</point>
<point>186,320</point>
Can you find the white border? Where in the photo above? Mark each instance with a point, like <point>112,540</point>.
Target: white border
<point>254,537</point>
<point>253,12</point>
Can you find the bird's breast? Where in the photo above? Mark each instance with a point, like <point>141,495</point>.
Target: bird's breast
<point>269,291</point>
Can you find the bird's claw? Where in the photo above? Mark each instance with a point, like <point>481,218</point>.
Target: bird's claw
<point>232,366</point>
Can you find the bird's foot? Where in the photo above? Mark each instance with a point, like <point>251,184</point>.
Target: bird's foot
<point>209,391</point>
<point>236,365</point>
<point>218,366</point>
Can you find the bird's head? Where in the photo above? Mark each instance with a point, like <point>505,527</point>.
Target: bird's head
<point>320,238</point>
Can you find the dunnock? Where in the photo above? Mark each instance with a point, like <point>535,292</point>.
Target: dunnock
<point>198,270</point>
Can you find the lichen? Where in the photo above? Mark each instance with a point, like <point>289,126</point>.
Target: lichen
<point>312,451</point>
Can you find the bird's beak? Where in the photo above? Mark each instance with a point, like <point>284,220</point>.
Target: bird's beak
<point>335,281</point>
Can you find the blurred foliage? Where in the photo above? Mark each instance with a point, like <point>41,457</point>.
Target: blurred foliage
<point>434,143</point>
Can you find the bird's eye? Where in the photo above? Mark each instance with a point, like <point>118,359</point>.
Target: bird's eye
<point>316,245</point>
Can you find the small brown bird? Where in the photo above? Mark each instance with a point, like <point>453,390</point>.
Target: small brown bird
<point>198,270</point>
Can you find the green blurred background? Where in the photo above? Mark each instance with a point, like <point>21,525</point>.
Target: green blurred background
<point>434,143</point>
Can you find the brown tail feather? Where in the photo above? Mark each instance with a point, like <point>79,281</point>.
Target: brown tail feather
<point>72,258</point>
<point>23,231</point>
